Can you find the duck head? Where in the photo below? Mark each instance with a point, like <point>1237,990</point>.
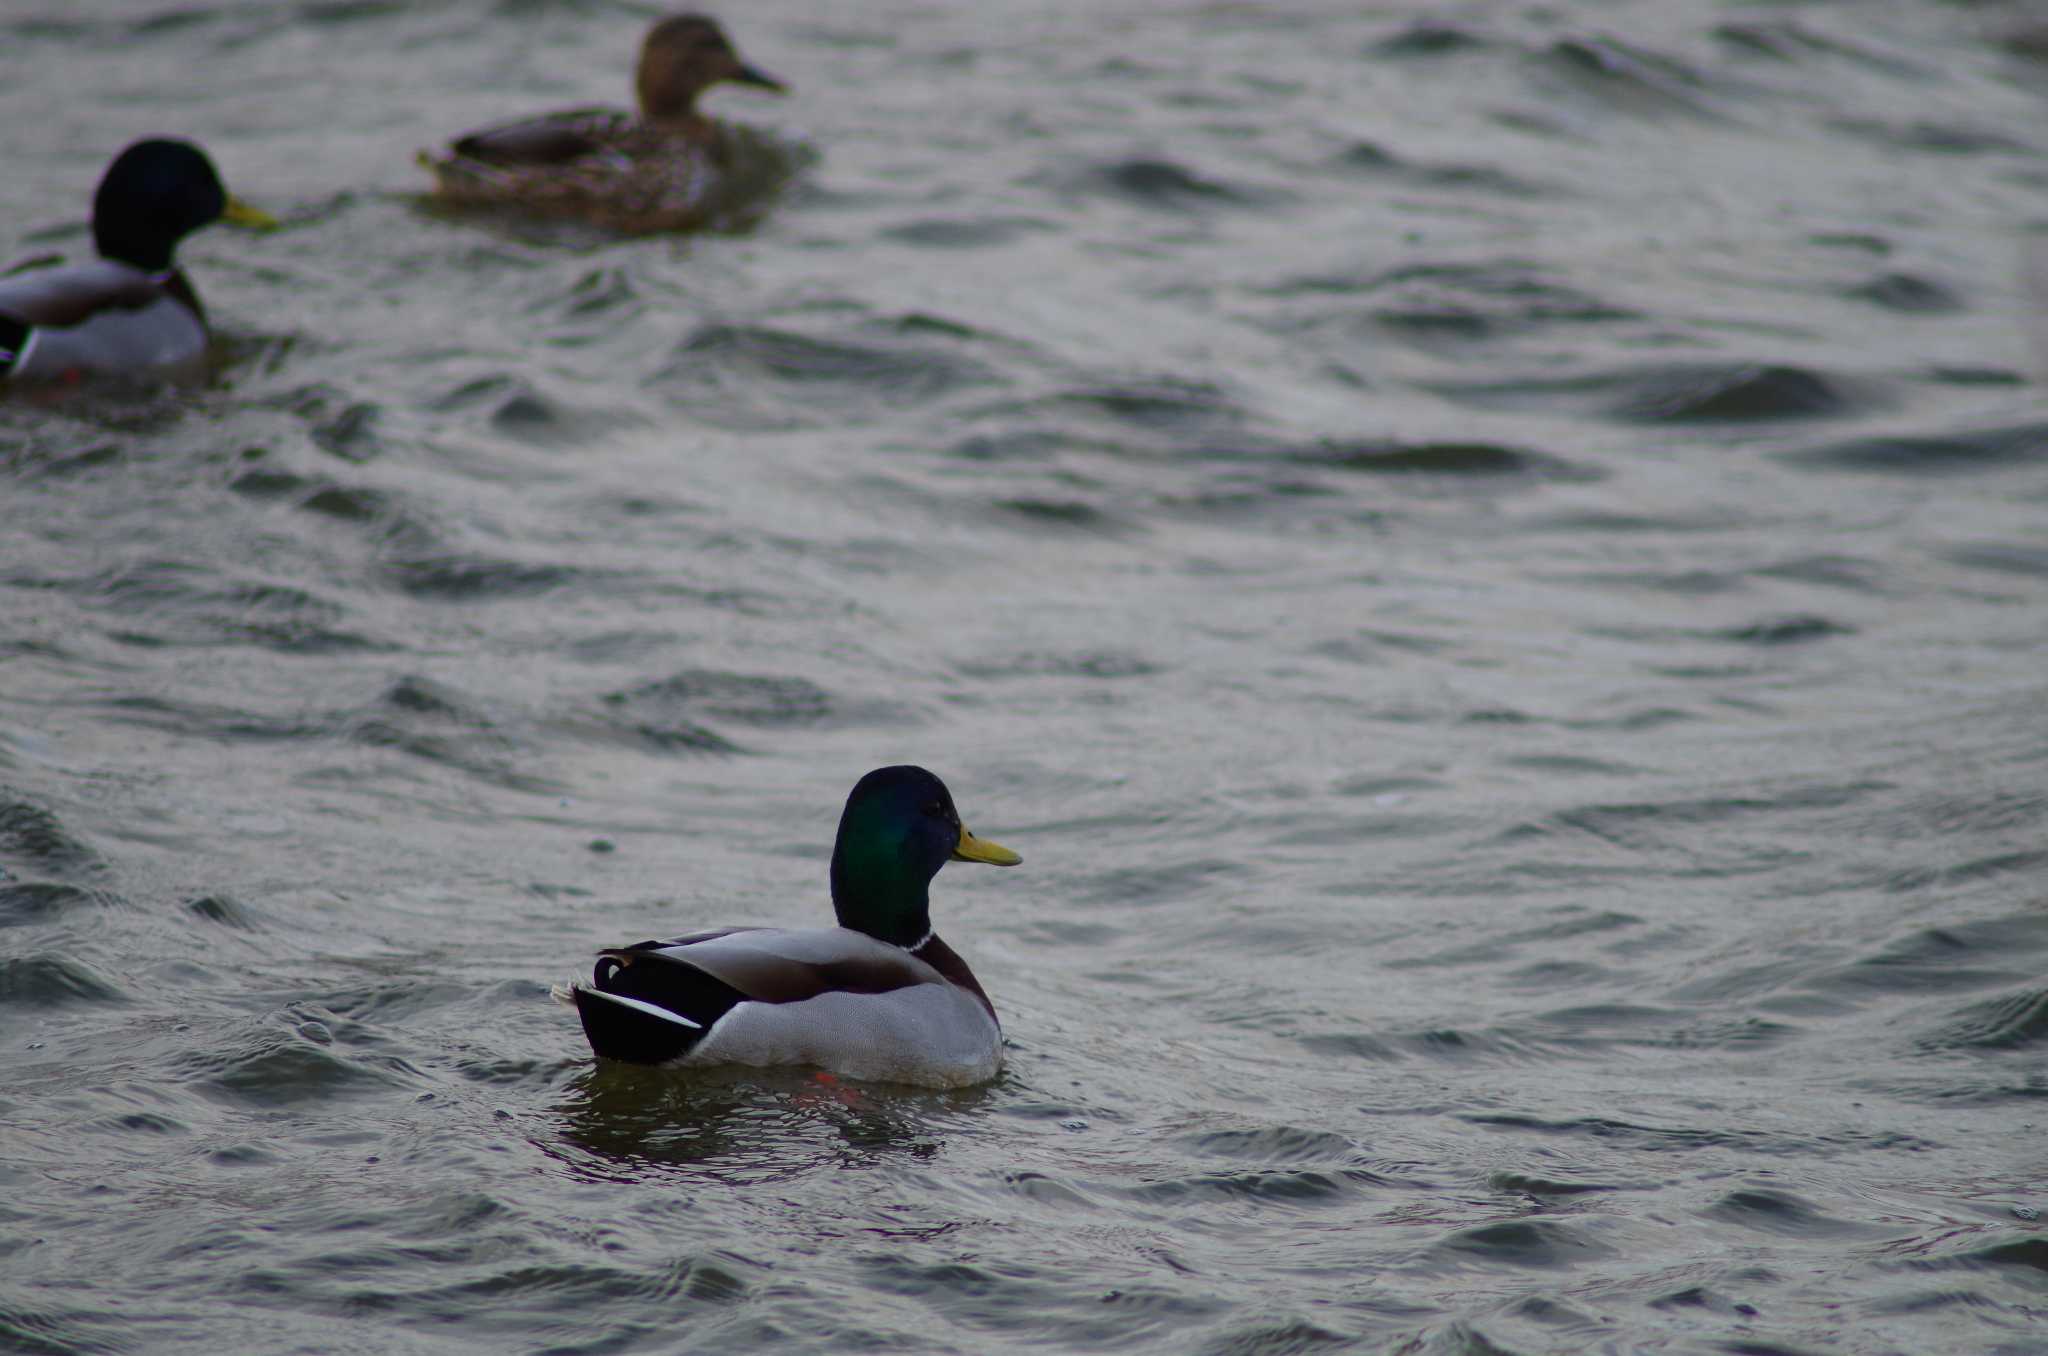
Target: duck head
<point>155,194</point>
<point>681,57</point>
<point>898,829</point>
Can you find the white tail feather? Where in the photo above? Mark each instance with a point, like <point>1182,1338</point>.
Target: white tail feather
<point>651,1009</point>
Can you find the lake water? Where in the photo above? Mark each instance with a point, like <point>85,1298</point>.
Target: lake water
<point>1492,560</point>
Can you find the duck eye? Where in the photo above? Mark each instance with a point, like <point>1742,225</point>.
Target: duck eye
<point>937,809</point>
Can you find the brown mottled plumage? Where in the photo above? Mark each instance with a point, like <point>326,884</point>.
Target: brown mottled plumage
<point>657,171</point>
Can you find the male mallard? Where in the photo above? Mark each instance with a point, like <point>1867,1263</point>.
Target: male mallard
<point>657,172</point>
<point>131,311</point>
<point>879,996</point>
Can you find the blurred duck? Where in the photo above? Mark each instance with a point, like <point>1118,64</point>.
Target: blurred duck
<point>659,171</point>
<point>131,312</point>
<point>879,996</point>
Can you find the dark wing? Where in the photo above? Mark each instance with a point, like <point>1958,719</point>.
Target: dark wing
<point>71,294</point>
<point>762,965</point>
<point>554,139</point>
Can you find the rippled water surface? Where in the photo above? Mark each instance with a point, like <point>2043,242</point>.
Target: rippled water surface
<point>1491,559</point>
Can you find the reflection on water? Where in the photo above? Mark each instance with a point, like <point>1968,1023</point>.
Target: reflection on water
<point>627,1123</point>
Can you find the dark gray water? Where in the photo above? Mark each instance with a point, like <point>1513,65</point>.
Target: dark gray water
<point>1492,560</point>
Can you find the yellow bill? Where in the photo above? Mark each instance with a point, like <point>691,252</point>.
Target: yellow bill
<point>240,213</point>
<point>972,849</point>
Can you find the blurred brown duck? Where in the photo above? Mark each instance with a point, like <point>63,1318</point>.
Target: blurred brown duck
<point>131,312</point>
<point>659,171</point>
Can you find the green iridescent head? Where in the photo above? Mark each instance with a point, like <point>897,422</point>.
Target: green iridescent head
<point>156,193</point>
<point>898,829</point>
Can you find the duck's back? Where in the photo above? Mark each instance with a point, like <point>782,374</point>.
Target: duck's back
<point>599,166</point>
<point>102,317</point>
<point>552,139</point>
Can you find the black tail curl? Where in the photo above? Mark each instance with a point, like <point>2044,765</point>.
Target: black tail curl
<point>626,1030</point>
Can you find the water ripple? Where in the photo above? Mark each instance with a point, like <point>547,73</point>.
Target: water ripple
<point>41,902</point>
<point>274,1068</point>
<point>1960,453</point>
<point>1774,1210</point>
<point>759,377</point>
<point>1528,1243</point>
<point>31,834</point>
<point>1162,185</point>
<point>50,980</point>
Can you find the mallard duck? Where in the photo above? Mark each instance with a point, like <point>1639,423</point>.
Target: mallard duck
<point>132,311</point>
<point>878,997</point>
<point>659,171</point>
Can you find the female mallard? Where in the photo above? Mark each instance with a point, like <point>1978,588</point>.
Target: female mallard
<point>879,996</point>
<point>657,172</point>
<point>131,311</point>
